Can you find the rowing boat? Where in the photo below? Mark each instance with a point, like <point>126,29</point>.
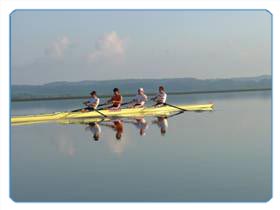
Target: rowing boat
<point>125,112</point>
<point>69,121</point>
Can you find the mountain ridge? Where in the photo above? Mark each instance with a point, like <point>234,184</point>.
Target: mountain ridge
<point>129,86</point>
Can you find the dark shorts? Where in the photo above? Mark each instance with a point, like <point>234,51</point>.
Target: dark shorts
<point>89,108</point>
<point>135,105</point>
<point>159,104</point>
<point>112,106</point>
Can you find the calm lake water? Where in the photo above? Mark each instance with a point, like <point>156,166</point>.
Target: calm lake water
<point>219,156</point>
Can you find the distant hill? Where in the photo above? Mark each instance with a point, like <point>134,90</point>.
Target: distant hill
<point>129,86</point>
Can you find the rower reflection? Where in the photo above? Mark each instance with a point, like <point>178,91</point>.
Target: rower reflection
<point>140,124</point>
<point>162,123</point>
<point>95,128</point>
<point>117,126</point>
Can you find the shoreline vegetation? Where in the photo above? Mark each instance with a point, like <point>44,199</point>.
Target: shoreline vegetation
<point>175,86</point>
<point>24,99</point>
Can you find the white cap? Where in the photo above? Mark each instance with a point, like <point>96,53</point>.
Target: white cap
<point>141,89</point>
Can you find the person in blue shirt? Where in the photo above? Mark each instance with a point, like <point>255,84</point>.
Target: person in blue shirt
<point>92,103</point>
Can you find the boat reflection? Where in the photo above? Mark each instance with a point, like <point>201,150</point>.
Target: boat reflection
<point>118,124</point>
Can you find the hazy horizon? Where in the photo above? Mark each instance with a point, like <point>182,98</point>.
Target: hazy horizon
<point>174,78</point>
<point>67,45</point>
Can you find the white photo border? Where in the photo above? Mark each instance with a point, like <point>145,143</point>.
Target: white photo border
<point>8,6</point>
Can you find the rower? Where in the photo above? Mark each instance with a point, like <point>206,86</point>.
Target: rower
<point>116,99</point>
<point>92,103</point>
<point>160,98</point>
<point>140,99</point>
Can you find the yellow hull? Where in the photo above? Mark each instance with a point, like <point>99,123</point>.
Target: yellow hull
<point>126,112</point>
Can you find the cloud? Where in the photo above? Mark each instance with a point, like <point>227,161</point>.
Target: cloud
<point>108,47</point>
<point>58,48</point>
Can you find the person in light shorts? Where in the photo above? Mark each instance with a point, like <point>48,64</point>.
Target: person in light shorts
<point>140,99</point>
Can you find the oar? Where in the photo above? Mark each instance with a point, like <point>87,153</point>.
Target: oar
<point>175,107</point>
<point>100,113</point>
<point>121,105</point>
<point>125,103</point>
<point>173,115</point>
<point>77,110</point>
<point>102,104</point>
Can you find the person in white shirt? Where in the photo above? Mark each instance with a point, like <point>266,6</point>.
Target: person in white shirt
<point>92,103</point>
<point>160,98</point>
<point>140,99</point>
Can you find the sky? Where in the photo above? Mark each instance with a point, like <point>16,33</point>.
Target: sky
<point>76,45</point>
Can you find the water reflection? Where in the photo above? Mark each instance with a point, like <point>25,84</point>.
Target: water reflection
<point>140,123</point>
<point>207,166</point>
<point>95,128</point>
<point>162,123</point>
<point>117,125</point>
